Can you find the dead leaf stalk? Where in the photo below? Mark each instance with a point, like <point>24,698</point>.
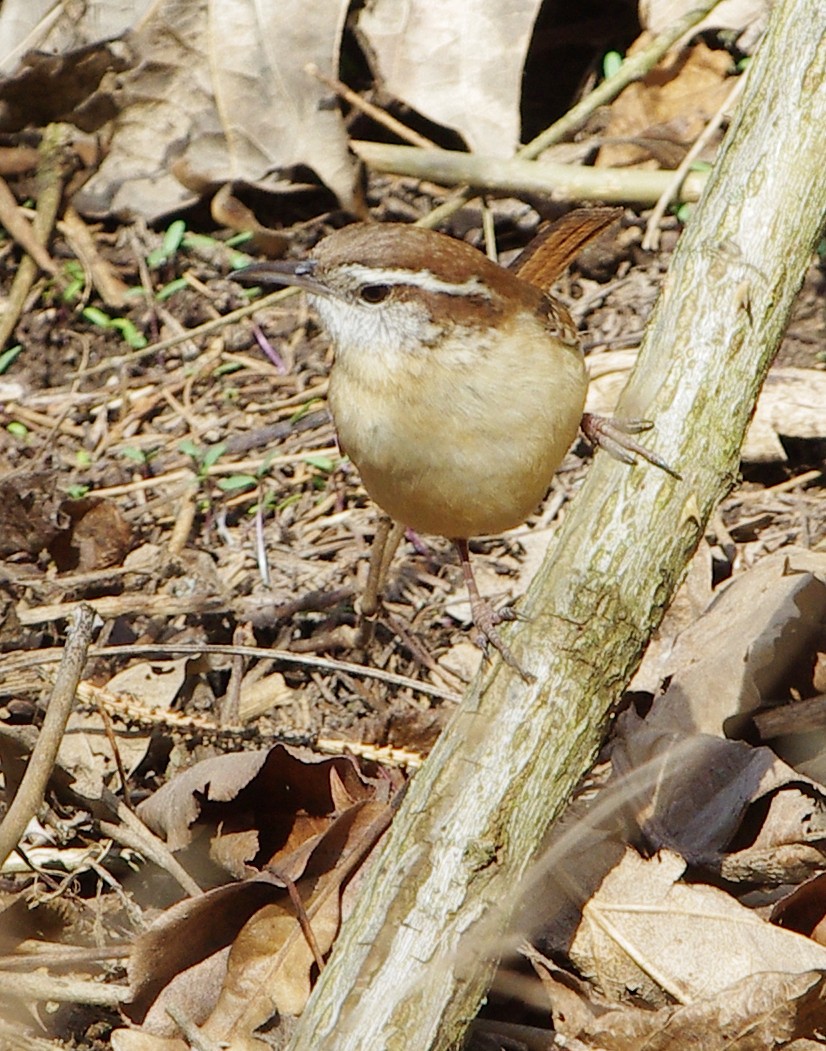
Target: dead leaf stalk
<point>32,788</point>
<point>48,203</point>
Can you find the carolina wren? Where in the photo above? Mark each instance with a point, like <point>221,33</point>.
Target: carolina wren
<point>458,386</point>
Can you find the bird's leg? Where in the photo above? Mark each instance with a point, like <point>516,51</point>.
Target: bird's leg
<point>614,436</point>
<point>385,542</point>
<point>486,618</point>
<point>345,636</point>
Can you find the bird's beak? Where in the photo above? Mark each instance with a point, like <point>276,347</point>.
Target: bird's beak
<point>299,274</point>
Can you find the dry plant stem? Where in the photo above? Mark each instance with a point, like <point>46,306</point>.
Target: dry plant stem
<point>185,516</point>
<point>21,230</point>
<point>368,109</point>
<point>415,957</point>
<point>632,69</point>
<point>38,987</point>
<point>32,788</point>
<point>651,237</point>
<point>32,660</point>
<point>132,832</point>
<point>113,745</point>
<point>111,289</point>
<point>303,921</point>
<point>516,176</point>
<point>48,202</point>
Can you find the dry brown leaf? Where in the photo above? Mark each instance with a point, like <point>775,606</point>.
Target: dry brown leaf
<point>645,934</point>
<point>804,909</point>
<point>746,17</point>
<point>269,968</point>
<point>44,88</point>
<point>284,793</point>
<point>271,961</point>
<point>182,960</point>
<point>30,516</point>
<point>759,1013</point>
<point>458,62</point>
<point>669,107</point>
<point>155,684</point>
<point>86,753</point>
<point>222,87</point>
<point>184,937</point>
<point>760,629</point>
<point>97,536</point>
<point>695,791</point>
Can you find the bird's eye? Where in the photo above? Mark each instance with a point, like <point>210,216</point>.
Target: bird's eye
<point>374,293</point>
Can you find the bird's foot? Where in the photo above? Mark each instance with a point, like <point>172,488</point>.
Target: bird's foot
<point>614,435</point>
<point>486,620</point>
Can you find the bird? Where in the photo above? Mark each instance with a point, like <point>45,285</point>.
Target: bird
<point>457,385</point>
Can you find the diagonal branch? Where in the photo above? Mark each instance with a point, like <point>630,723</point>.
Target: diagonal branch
<point>413,961</point>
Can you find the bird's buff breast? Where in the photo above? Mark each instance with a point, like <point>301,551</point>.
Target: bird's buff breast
<point>460,448</point>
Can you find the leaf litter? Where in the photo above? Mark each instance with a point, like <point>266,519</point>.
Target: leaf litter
<point>197,498</point>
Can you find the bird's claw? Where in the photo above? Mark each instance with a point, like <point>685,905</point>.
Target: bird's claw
<point>614,436</point>
<point>486,619</point>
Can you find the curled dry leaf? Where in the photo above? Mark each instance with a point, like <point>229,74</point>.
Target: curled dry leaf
<point>182,961</point>
<point>259,806</point>
<point>228,211</point>
<point>759,1013</point>
<point>459,63</point>
<point>647,935</point>
<point>98,537</point>
<point>221,86</point>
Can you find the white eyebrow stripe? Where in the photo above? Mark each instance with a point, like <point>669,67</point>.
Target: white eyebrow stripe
<point>424,279</point>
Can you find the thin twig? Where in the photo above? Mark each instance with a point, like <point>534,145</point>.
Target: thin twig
<point>375,113</point>
<point>303,919</point>
<point>132,832</point>
<point>651,238</point>
<point>28,660</point>
<point>39,987</point>
<point>632,69</point>
<point>113,744</point>
<point>32,788</point>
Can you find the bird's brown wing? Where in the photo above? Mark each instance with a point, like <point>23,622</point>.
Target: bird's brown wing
<point>557,245</point>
